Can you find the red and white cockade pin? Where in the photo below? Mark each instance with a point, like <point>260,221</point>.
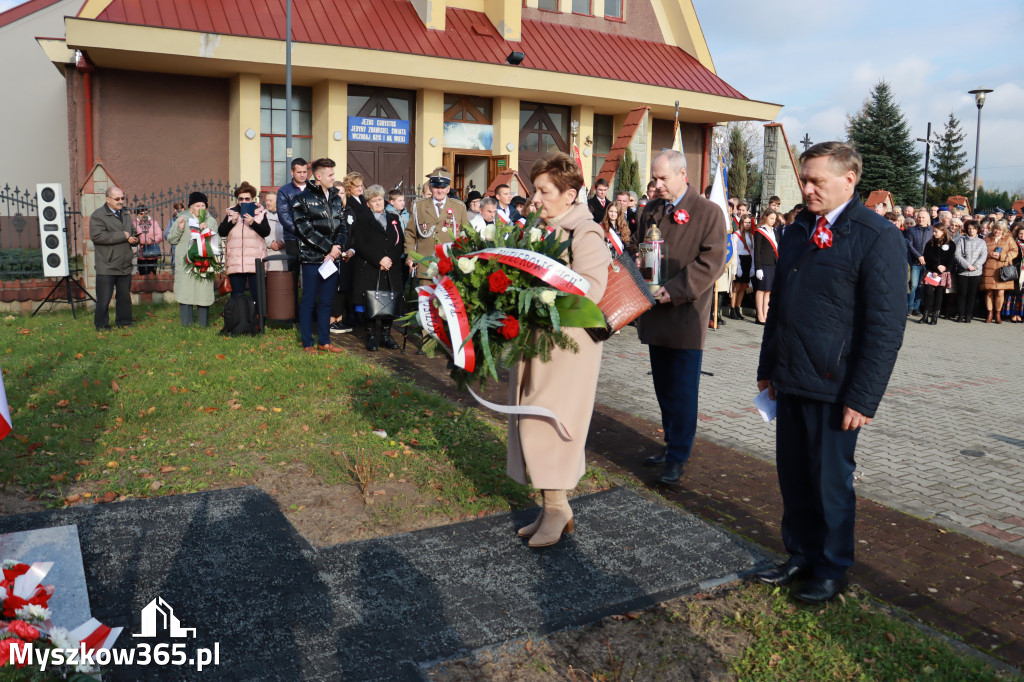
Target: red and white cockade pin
<point>681,217</point>
<point>823,237</point>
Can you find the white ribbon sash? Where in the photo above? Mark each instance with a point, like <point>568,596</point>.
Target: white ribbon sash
<point>553,272</point>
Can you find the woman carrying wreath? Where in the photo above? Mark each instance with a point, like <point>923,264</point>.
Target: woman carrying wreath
<point>193,225</point>
<point>567,383</point>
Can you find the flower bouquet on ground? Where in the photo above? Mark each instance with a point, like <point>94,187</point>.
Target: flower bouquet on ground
<point>499,295</point>
<point>31,648</point>
<point>202,259</point>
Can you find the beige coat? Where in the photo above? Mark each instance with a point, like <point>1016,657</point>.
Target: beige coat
<point>990,274</point>
<point>567,384</point>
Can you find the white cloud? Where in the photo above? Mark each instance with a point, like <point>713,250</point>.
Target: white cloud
<point>821,61</point>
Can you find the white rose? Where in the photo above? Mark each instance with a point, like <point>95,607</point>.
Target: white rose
<point>548,297</point>
<point>535,234</point>
<point>487,233</point>
<point>467,265</point>
<point>432,270</point>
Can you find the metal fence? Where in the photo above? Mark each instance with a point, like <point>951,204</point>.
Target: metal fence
<point>161,210</point>
<point>20,254</point>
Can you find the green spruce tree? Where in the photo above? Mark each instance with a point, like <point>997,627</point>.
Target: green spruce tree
<point>629,174</point>
<point>949,174</point>
<point>879,131</point>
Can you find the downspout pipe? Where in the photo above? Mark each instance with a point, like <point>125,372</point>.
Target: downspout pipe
<point>86,68</point>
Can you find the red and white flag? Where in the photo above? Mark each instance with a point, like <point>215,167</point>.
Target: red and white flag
<point>5,411</point>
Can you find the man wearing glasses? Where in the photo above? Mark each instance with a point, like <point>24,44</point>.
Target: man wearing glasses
<point>113,233</point>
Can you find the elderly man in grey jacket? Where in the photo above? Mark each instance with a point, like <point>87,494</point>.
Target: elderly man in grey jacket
<point>113,234</point>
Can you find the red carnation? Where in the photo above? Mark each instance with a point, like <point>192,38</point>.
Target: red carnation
<point>12,604</point>
<point>23,630</point>
<point>509,327</point>
<point>6,645</point>
<point>15,570</point>
<point>444,265</point>
<point>498,282</point>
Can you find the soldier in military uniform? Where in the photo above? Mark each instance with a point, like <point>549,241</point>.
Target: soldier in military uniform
<point>433,220</point>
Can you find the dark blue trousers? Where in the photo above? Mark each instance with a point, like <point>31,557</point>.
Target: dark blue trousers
<point>318,293</point>
<point>676,376</point>
<point>814,457</point>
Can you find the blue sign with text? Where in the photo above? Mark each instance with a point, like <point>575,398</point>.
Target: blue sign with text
<point>387,130</point>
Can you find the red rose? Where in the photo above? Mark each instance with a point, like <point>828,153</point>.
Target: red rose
<point>498,282</point>
<point>12,604</point>
<point>23,630</point>
<point>5,650</point>
<point>509,328</point>
<point>444,265</point>
<point>15,570</point>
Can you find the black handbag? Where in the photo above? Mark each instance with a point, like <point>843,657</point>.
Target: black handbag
<point>383,302</point>
<point>1008,273</point>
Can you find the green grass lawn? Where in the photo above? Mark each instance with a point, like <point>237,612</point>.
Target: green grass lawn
<point>158,410</point>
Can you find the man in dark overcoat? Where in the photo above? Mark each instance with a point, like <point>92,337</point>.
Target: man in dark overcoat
<point>834,328</point>
<point>693,229</point>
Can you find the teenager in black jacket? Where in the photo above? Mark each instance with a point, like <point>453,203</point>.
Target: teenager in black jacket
<point>939,254</point>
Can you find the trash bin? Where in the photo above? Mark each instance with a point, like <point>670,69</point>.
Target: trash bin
<point>277,298</point>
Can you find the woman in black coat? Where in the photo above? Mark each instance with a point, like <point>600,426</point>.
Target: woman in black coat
<point>376,245</point>
<point>939,254</point>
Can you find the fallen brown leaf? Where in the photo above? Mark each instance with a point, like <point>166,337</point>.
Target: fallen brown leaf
<point>115,386</point>
<point>166,469</point>
<point>107,497</point>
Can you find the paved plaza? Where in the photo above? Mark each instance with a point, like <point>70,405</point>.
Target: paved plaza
<point>944,446</point>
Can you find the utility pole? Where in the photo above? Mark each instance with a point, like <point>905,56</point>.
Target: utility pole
<point>927,139</point>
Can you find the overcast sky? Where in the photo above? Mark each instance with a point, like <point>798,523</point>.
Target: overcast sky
<point>821,59</point>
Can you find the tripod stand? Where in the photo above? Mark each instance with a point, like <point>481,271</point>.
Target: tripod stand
<point>67,281</point>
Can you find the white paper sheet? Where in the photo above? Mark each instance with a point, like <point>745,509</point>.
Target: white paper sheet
<point>327,269</point>
<point>765,405</point>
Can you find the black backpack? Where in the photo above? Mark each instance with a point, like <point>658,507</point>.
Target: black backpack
<point>240,317</point>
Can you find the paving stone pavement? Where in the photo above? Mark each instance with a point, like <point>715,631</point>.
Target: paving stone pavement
<point>945,444</point>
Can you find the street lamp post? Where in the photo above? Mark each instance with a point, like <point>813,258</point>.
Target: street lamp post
<point>287,91</point>
<point>979,99</point>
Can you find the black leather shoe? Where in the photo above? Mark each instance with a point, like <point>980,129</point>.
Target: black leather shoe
<point>671,473</point>
<point>656,460</point>
<point>819,591</point>
<point>782,575</point>
<point>387,342</point>
<point>371,341</point>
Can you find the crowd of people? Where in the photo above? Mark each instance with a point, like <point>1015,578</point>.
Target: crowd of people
<point>951,256</point>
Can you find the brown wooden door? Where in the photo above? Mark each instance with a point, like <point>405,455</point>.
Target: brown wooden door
<point>495,165</point>
<point>544,132</point>
<point>388,165</point>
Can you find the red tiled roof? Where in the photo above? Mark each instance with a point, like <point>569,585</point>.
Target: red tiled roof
<point>23,10</point>
<point>393,25</point>
<point>626,134</point>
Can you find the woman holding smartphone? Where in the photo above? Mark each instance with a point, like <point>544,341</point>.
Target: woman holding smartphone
<point>245,228</point>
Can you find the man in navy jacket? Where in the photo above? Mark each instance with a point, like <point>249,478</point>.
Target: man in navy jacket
<point>833,331</point>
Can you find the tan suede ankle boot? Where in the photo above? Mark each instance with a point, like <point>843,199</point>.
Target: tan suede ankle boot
<point>555,520</point>
<point>528,531</point>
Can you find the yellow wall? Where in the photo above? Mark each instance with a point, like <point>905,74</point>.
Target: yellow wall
<point>330,115</point>
<point>506,129</point>
<point>244,114</point>
<point>429,124</point>
<point>431,13</point>
<point>507,17</point>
